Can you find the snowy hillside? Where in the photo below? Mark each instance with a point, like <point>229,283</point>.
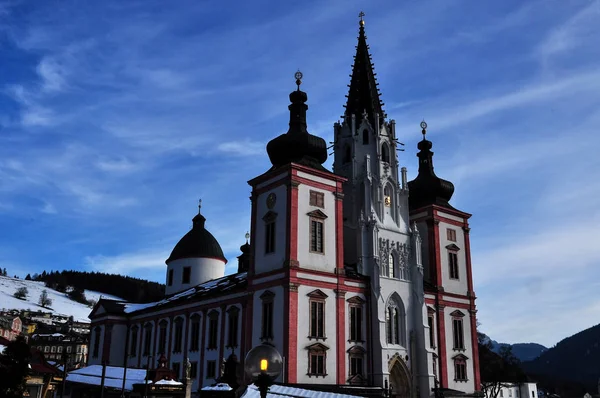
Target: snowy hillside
<point>61,304</point>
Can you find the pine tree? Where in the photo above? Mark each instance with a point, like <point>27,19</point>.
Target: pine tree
<point>4,273</point>
<point>45,301</point>
<point>28,277</point>
<point>14,366</point>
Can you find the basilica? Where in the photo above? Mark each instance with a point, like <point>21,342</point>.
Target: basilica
<point>356,275</point>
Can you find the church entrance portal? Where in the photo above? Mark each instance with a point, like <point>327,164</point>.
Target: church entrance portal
<point>399,379</point>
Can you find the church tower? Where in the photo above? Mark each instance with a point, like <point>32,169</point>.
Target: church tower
<point>378,239</point>
<point>448,279</point>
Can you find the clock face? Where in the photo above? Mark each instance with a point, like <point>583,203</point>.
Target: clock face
<point>271,199</point>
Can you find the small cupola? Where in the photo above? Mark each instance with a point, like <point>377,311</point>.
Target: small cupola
<point>196,258</point>
<point>427,188</point>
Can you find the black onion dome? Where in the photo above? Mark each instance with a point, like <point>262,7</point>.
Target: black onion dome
<point>197,243</point>
<point>427,188</point>
<point>298,145</point>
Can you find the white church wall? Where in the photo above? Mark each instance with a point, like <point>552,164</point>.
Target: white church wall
<point>201,270</point>
<point>460,285</point>
<point>303,331</point>
<point>325,261</point>
<point>468,385</point>
<point>117,344</point>
<point>265,262</point>
<point>96,360</point>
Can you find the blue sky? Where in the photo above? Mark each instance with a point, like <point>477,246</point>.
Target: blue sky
<point>115,117</point>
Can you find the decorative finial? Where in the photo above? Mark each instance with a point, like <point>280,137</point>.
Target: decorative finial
<point>298,75</point>
<point>247,236</point>
<point>361,15</point>
<point>199,206</point>
<point>423,128</point>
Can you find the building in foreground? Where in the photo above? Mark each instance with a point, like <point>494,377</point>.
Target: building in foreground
<point>357,276</point>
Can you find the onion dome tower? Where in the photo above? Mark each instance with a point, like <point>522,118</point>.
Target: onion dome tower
<point>298,145</point>
<point>196,258</point>
<point>427,188</point>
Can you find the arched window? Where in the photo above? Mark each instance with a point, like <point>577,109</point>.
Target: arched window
<point>387,196</point>
<point>347,154</point>
<point>391,266</point>
<point>395,321</point>
<point>385,153</point>
<point>365,137</point>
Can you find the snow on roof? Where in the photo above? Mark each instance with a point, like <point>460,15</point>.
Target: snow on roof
<point>276,391</point>
<point>113,377</point>
<point>218,387</point>
<point>221,284</point>
<point>168,382</point>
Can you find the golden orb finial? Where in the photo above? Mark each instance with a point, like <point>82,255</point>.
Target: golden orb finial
<point>361,15</point>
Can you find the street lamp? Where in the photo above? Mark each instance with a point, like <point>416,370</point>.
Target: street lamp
<point>263,364</point>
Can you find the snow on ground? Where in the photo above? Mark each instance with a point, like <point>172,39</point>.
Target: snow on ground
<point>61,303</point>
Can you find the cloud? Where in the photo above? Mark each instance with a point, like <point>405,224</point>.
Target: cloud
<point>150,261</point>
<point>243,148</point>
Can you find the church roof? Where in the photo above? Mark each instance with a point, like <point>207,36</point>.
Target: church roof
<point>298,145</point>
<point>427,188</point>
<point>197,243</point>
<point>363,96</point>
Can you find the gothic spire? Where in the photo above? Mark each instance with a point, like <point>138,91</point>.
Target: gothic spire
<point>363,95</point>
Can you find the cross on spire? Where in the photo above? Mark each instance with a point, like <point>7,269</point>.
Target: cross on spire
<point>199,206</point>
<point>361,15</point>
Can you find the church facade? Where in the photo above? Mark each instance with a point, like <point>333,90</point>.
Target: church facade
<point>357,276</point>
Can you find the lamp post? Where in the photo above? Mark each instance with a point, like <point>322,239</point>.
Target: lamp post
<point>263,364</point>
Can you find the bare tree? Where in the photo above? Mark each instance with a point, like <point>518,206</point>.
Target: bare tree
<point>21,293</point>
<point>45,301</point>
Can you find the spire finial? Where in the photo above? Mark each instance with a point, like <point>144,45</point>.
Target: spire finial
<point>298,75</point>
<point>423,128</point>
<point>199,206</point>
<point>362,21</point>
<point>247,236</point>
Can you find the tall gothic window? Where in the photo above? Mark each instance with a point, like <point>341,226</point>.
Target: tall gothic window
<point>233,318</point>
<point>395,319</point>
<point>347,154</point>
<point>388,196</point>
<point>178,335</point>
<point>134,340</point>
<point>267,315</point>
<point>195,332</point>
<point>385,153</point>
<point>430,323</point>
<point>392,265</point>
<point>162,337</point>
<point>365,137</point>
<point>147,339</point>
<point>213,327</point>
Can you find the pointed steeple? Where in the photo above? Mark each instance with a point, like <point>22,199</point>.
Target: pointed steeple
<point>364,94</point>
<point>427,188</point>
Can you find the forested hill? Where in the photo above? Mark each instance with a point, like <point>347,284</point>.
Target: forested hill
<point>130,289</point>
<point>574,359</point>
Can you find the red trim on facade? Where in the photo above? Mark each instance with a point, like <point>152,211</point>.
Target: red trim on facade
<point>339,230</point>
<point>313,184</point>
<point>292,334</point>
<point>341,336</point>
<point>435,256</point>
<point>468,261</point>
<point>443,368</point>
<point>222,343</point>
<point>310,282</point>
<point>293,226</point>
<point>475,349</point>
